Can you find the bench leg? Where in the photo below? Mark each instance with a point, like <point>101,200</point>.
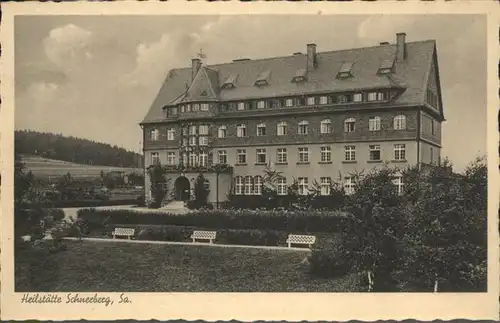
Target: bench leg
<point>289,244</point>
<point>193,240</point>
<point>210,241</point>
<point>113,236</point>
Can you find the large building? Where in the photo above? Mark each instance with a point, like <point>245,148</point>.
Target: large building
<point>316,117</point>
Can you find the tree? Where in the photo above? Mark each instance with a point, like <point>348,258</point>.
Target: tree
<point>158,184</point>
<point>374,228</point>
<point>23,183</point>
<point>446,240</point>
<point>200,192</point>
<point>270,187</point>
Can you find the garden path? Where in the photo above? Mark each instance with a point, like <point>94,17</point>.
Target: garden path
<point>190,244</point>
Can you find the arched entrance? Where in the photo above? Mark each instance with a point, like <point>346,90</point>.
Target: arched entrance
<point>182,188</point>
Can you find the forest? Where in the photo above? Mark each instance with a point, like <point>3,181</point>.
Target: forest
<point>72,149</point>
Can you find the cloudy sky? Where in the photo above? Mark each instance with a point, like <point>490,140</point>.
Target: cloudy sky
<point>95,76</point>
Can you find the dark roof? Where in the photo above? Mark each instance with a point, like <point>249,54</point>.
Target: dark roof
<point>411,74</point>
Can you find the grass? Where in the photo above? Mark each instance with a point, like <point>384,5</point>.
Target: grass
<point>123,267</point>
<point>47,168</point>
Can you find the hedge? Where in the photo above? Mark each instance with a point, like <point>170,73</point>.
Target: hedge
<point>302,221</point>
<point>84,203</point>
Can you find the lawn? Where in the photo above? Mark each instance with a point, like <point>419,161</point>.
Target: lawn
<point>126,267</point>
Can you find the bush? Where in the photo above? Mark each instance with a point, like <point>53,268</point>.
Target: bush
<point>330,261</point>
<point>287,221</point>
<point>83,203</point>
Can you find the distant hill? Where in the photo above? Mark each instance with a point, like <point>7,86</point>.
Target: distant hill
<point>44,168</point>
<point>74,150</point>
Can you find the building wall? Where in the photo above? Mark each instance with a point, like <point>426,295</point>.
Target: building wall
<point>427,123</point>
<point>315,169</point>
<point>429,154</point>
<point>337,135</point>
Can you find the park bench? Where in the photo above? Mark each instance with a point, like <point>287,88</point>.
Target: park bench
<point>204,235</point>
<point>300,239</point>
<point>123,232</point>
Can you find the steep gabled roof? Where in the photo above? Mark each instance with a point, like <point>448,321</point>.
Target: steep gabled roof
<point>410,74</point>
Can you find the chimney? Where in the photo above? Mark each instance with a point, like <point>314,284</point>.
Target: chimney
<point>195,67</point>
<point>311,56</point>
<point>400,47</point>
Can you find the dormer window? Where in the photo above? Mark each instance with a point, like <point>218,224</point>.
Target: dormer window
<point>263,79</point>
<point>230,82</point>
<point>300,76</point>
<point>345,70</point>
<point>386,66</point>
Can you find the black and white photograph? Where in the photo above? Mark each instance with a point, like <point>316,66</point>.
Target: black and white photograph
<point>262,153</point>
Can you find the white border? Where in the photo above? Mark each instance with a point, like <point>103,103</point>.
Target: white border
<point>252,306</point>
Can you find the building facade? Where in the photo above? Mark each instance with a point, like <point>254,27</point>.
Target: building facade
<point>315,117</point>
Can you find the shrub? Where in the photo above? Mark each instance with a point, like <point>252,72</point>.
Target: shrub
<point>330,261</point>
<point>83,203</point>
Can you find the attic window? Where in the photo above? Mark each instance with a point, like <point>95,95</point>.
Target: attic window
<point>300,76</point>
<point>263,79</point>
<point>345,70</point>
<point>230,81</point>
<point>386,66</point>
<point>203,93</point>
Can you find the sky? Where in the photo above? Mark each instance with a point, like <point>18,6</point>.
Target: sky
<point>95,77</point>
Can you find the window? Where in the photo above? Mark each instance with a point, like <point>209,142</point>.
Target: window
<point>345,70</point>
<point>326,154</point>
<point>222,156</point>
<point>261,129</point>
<point>261,156</point>
<point>400,122</point>
<point>203,130</point>
<point>350,125</point>
<point>374,152</point>
<point>326,126</point>
<point>323,100</point>
<point>241,156</point>
<point>192,141</point>
<point>188,108</point>
<point>193,159</point>
<point>263,79</point>
<point>192,130</point>
<point>281,156</point>
<point>289,102</point>
<point>257,185</point>
<point>311,100</point>
<point>248,185</point>
<point>154,135</point>
<point>325,183</point>
<point>203,141</point>
<point>238,184</point>
<point>432,155</point>
<point>182,108</point>
<point>203,158</point>
<point>303,186</point>
<point>372,96</point>
<point>241,130</point>
<point>350,153</point>
<point>184,158</point>
<point>303,127</point>
<point>433,127</point>
<point>171,134</point>
<point>195,107</point>
<point>206,184</point>
<point>282,188</point>
<point>155,158</point>
<point>342,98</point>
<point>349,185</point>
<point>275,103</point>
<point>303,155</point>
<point>398,181</point>
<point>357,97</point>
<point>261,105</point>
<point>171,158</point>
<point>184,142</point>
<point>400,152</point>
<point>204,107</point>
<point>300,101</point>
<point>281,131</point>
<point>222,133</point>
<point>374,123</point>
<point>241,106</point>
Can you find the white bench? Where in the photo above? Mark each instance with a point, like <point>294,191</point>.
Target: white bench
<point>123,232</point>
<point>300,239</point>
<point>204,235</point>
